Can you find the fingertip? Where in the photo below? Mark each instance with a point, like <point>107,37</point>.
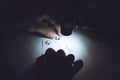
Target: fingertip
<point>61,53</point>
<point>50,35</point>
<point>60,34</point>
<point>78,63</point>
<point>77,66</point>
<point>49,51</point>
<point>70,58</point>
<point>60,57</point>
<point>58,29</point>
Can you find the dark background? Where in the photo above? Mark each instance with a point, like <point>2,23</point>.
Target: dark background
<point>101,17</point>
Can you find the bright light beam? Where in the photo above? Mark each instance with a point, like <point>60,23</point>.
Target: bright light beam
<point>74,44</point>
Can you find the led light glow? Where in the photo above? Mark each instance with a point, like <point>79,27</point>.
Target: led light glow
<point>73,44</point>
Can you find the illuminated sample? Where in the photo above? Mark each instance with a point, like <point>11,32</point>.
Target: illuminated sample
<point>73,44</point>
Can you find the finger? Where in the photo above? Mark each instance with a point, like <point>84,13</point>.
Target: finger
<point>49,52</point>
<point>45,31</point>
<point>44,26</point>
<point>61,53</point>
<point>52,22</point>
<point>50,57</point>
<point>58,29</point>
<point>70,59</point>
<point>77,66</point>
<point>60,56</point>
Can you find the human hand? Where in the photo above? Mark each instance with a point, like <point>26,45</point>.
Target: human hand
<point>45,25</point>
<point>56,66</point>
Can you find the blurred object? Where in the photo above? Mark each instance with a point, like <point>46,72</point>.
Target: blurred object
<point>67,24</point>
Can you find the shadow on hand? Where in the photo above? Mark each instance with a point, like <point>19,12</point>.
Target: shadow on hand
<point>55,66</point>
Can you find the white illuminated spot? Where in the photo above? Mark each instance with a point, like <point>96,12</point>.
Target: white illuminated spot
<point>73,44</point>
